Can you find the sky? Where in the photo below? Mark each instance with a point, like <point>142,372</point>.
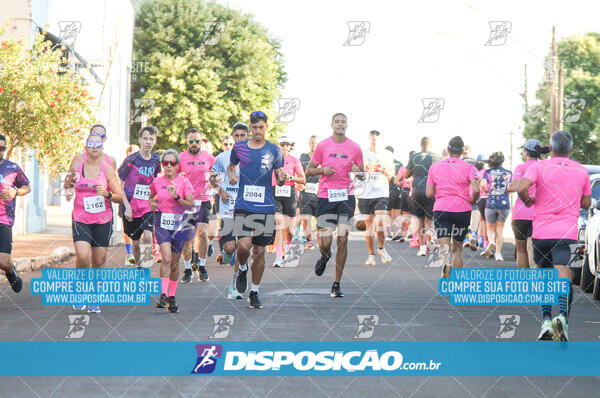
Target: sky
<point>416,50</point>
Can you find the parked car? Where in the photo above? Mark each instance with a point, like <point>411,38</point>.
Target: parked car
<point>590,271</point>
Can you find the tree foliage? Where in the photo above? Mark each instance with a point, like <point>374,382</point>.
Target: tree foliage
<point>198,73</point>
<point>42,107</point>
<point>580,56</point>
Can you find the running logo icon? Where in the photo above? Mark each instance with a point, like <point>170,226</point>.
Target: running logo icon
<point>573,109</point>
<point>212,32</point>
<point>207,358</point>
<point>508,326</point>
<point>499,31</point>
<point>357,33</point>
<point>432,107</point>
<point>287,109</point>
<point>223,323</point>
<point>266,161</point>
<point>366,326</point>
<point>69,31</point>
<point>77,325</point>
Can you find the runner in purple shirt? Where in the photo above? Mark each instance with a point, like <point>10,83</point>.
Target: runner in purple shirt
<point>13,183</point>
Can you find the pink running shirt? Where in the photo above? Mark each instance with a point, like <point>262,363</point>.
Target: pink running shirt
<point>559,185</point>
<point>340,158</point>
<point>197,170</point>
<point>166,203</point>
<point>520,211</point>
<point>291,165</point>
<point>88,206</point>
<point>452,180</point>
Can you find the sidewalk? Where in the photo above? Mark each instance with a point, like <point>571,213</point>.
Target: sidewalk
<point>32,252</point>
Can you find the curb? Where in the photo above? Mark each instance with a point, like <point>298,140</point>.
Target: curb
<point>36,263</point>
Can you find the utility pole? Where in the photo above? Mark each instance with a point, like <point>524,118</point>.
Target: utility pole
<point>556,86</point>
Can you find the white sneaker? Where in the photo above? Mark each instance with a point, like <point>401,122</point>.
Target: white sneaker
<point>498,257</point>
<point>370,260</point>
<point>489,250</point>
<point>385,256</point>
<point>422,251</point>
<point>278,262</point>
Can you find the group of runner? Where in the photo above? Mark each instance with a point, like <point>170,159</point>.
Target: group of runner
<point>261,193</point>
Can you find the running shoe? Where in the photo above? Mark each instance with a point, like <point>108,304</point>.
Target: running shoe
<point>322,263</point>
<point>232,261</point>
<point>446,271</point>
<point>172,308</point>
<point>219,259</point>
<point>498,257</point>
<point>162,301</point>
<point>546,333</point>
<point>79,307</point>
<point>278,262</point>
<point>488,252</point>
<point>473,243</point>
<point>95,309</point>
<point>233,294</point>
<point>385,256</point>
<point>202,274</point>
<point>310,245</point>
<point>559,326</point>
<point>398,236</point>
<point>16,283</point>
<point>422,251</point>
<point>254,301</point>
<point>211,250</point>
<point>187,275</point>
<point>129,260</point>
<point>335,291</point>
<point>466,243</point>
<point>370,260</point>
<point>241,282</point>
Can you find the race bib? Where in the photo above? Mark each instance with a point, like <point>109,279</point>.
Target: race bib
<point>94,204</point>
<point>337,195</point>
<point>141,192</point>
<point>285,190</point>
<point>226,208</point>
<point>254,193</point>
<point>170,221</point>
<point>312,187</point>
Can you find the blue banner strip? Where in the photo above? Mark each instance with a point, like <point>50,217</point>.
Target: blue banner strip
<point>336,358</point>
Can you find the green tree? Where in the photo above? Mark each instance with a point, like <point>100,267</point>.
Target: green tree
<point>203,74</point>
<point>580,56</point>
<point>41,108</point>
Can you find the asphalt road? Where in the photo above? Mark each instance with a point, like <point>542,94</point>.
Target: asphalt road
<point>297,307</point>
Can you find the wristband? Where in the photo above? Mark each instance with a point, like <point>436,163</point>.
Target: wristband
<point>177,198</point>
<point>109,195</point>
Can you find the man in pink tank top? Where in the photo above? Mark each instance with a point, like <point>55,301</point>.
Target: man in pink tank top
<point>195,165</point>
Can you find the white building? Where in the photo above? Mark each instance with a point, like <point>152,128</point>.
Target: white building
<point>101,34</point>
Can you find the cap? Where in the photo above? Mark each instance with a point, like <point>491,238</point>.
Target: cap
<point>532,143</point>
<point>374,132</point>
<point>283,139</point>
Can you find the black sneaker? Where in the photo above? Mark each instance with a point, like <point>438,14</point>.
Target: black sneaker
<point>172,305</point>
<point>14,279</point>
<point>254,301</point>
<point>241,282</point>
<point>202,274</point>
<point>187,275</point>
<point>162,302</point>
<point>335,291</point>
<point>321,264</point>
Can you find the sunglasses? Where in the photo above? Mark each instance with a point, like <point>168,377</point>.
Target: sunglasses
<point>259,114</point>
<point>2,148</point>
<point>94,144</point>
<point>285,144</point>
<point>238,125</point>
<point>169,162</point>
<point>101,135</point>
<point>196,141</point>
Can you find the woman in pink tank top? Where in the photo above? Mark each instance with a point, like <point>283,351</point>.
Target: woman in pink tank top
<point>96,186</point>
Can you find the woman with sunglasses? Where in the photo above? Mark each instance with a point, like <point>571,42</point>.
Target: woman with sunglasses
<point>172,194</point>
<point>96,186</point>
<point>285,200</point>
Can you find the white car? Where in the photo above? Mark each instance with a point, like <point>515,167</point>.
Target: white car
<point>590,271</point>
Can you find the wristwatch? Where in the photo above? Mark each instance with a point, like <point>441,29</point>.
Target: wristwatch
<point>109,195</point>
<point>177,198</point>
